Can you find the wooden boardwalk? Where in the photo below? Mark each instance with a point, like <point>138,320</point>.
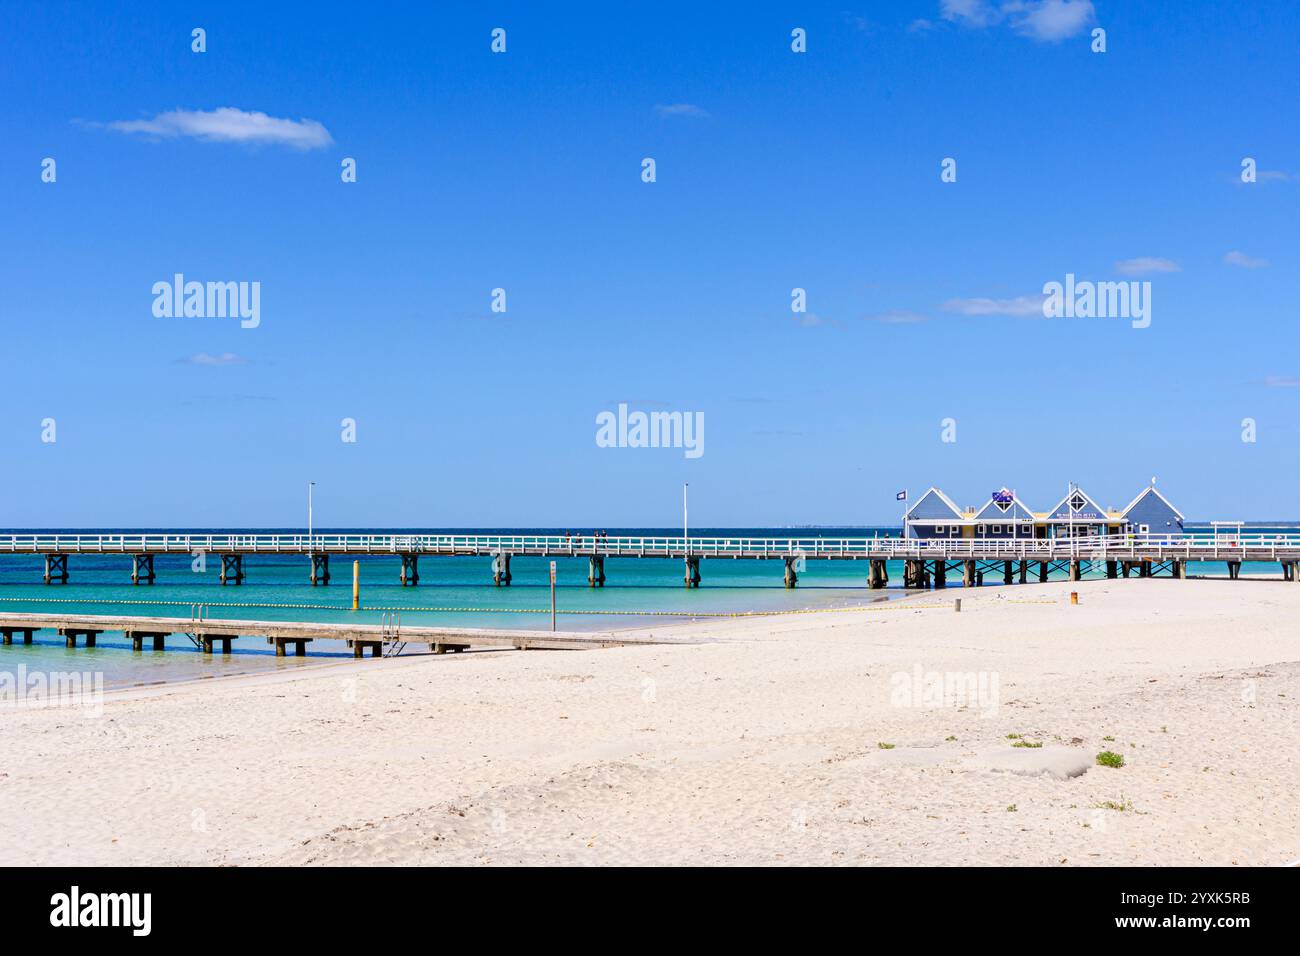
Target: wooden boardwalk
<point>1164,552</point>
<point>1191,546</point>
<point>207,634</point>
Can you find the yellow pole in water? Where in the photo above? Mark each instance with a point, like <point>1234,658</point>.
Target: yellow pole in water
<point>356,585</point>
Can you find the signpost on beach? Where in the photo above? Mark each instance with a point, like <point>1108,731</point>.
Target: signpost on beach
<point>552,595</point>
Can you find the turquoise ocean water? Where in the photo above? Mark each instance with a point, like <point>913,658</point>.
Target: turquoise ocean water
<point>452,592</point>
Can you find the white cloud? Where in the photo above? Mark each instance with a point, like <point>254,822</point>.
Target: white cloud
<point>1235,258</point>
<point>975,13</point>
<point>1045,20</point>
<point>225,358</point>
<point>897,317</point>
<point>1020,305</point>
<point>682,109</point>
<point>1145,264</point>
<point>1265,176</point>
<point>1279,381</point>
<point>230,125</point>
<point>1050,20</point>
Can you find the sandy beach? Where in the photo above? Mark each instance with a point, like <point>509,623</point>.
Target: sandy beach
<point>798,739</point>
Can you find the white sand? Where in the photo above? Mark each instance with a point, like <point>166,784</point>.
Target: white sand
<point>760,746</point>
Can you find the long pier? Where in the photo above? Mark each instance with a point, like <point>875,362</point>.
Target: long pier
<point>207,634</point>
<point>926,560</point>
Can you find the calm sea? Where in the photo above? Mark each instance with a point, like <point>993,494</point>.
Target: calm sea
<point>452,591</point>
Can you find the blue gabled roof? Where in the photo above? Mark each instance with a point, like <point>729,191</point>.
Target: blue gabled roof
<point>1015,512</point>
<point>1091,511</point>
<point>933,505</point>
<point>1151,490</point>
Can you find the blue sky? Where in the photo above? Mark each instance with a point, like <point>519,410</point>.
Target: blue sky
<point>522,171</point>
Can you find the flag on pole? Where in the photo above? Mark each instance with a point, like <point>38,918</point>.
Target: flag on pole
<point>901,496</point>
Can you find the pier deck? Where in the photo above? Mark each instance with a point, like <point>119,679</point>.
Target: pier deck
<point>207,630</point>
<point>1192,546</point>
<point>231,548</point>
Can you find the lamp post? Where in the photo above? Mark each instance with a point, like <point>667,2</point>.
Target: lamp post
<point>310,485</point>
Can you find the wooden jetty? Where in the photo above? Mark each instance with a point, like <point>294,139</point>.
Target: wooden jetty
<point>206,633</point>
<point>927,561</point>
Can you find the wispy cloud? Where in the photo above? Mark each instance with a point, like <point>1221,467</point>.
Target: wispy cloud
<point>1021,305</point>
<point>230,125</point>
<point>205,358</point>
<point>810,320</point>
<point>897,317</point>
<point>920,25</point>
<point>1144,264</point>
<point>1279,381</point>
<point>682,109</point>
<point>973,13</point>
<point>1264,176</point>
<point>1047,21</point>
<point>1051,20</point>
<point>1236,258</point>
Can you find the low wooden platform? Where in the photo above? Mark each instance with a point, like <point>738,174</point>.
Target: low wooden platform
<point>297,634</point>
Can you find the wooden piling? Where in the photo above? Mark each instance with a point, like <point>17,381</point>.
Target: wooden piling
<point>70,635</point>
<point>299,645</point>
<point>791,575</point>
<point>320,570</point>
<point>410,576</point>
<point>232,569</point>
<point>501,576</point>
<point>7,634</point>
<point>56,569</point>
<point>142,569</point>
<point>356,585</point>
<point>692,577</point>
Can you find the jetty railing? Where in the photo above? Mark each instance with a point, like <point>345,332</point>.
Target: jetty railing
<point>1193,544</point>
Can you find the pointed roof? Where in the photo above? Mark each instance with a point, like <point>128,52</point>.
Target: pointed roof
<point>1151,490</point>
<point>1089,511</point>
<point>936,493</point>
<point>1016,511</point>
